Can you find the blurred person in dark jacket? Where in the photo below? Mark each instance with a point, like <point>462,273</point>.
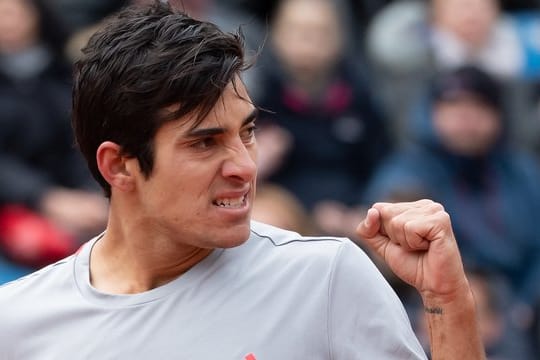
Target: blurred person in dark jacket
<point>324,133</point>
<point>46,200</point>
<point>411,40</point>
<point>462,159</point>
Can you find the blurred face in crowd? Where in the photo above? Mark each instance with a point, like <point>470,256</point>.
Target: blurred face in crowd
<point>19,21</point>
<point>307,36</point>
<point>471,21</point>
<point>466,125</point>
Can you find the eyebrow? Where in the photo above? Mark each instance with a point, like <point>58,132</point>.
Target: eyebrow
<point>202,132</point>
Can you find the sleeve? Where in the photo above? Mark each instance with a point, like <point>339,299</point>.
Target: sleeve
<point>366,320</point>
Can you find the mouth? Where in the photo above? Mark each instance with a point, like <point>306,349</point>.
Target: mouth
<point>232,202</point>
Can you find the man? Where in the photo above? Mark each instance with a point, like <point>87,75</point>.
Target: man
<point>167,128</point>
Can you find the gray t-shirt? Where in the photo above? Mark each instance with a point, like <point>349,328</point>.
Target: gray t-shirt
<point>278,296</point>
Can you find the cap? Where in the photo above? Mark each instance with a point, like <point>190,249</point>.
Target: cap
<point>467,80</point>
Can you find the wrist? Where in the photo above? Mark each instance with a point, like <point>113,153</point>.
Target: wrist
<point>461,300</point>
<point>453,325</point>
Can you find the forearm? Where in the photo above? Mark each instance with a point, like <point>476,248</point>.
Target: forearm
<point>453,327</point>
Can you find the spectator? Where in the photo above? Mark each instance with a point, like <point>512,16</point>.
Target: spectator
<point>491,190</point>
<point>461,158</point>
<point>446,34</point>
<point>325,132</point>
<point>43,207</point>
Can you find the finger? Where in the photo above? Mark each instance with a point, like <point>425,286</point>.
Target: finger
<point>413,232</point>
<point>389,210</point>
<point>409,229</point>
<point>370,226</point>
<point>371,233</point>
<point>430,228</point>
<point>393,217</point>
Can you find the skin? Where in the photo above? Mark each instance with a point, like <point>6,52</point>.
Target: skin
<point>466,125</point>
<point>307,37</point>
<point>161,226</point>
<point>416,241</point>
<point>472,21</point>
<point>19,22</point>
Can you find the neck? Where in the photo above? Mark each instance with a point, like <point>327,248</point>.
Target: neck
<point>129,259</point>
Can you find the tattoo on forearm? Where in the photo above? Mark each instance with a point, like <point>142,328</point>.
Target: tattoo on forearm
<point>433,310</point>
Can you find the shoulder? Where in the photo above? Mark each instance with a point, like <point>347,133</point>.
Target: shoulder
<point>316,252</point>
<point>290,242</point>
<point>351,288</point>
<point>28,287</point>
<point>278,237</point>
<point>332,262</point>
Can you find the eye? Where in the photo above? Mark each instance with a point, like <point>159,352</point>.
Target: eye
<point>248,134</point>
<point>204,143</point>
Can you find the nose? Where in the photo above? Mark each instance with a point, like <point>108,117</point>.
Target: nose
<point>241,163</point>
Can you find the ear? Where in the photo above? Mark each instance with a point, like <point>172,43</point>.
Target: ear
<point>114,166</point>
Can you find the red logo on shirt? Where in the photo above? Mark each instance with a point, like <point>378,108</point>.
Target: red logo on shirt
<point>250,357</point>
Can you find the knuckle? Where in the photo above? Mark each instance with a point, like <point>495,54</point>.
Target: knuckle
<point>443,216</point>
<point>398,222</point>
<point>436,207</point>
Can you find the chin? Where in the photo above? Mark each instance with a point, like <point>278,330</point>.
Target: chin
<point>234,236</point>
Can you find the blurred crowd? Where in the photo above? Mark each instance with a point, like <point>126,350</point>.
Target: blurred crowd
<point>361,101</point>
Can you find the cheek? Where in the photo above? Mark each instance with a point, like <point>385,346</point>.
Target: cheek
<point>487,125</point>
<point>444,124</point>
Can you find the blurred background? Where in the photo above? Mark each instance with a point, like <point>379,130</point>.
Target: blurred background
<point>364,101</point>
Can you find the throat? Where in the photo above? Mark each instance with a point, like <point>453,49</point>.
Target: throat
<point>124,271</point>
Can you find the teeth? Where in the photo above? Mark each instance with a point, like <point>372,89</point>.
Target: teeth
<point>231,203</point>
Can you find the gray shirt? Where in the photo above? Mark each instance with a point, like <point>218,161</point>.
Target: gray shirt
<point>279,296</point>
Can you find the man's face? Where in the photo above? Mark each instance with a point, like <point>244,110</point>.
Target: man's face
<point>202,184</point>
<point>466,125</point>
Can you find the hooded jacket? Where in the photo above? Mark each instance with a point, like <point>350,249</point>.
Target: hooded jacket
<point>493,200</point>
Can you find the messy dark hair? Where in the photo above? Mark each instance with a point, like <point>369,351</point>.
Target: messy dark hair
<point>143,61</point>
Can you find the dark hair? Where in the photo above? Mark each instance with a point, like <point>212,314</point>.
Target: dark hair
<point>145,59</point>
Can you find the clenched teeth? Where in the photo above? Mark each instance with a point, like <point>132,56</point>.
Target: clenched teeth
<point>231,203</point>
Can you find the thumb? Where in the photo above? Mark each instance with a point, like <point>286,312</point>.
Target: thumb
<point>369,231</point>
<point>369,227</point>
